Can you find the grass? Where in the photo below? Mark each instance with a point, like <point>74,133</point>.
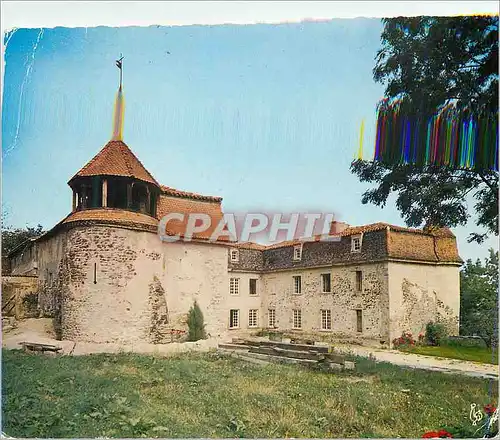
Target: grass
<point>476,354</point>
<point>212,395</point>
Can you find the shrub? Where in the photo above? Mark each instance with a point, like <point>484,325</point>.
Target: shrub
<point>404,340</point>
<point>435,332</point>
<point>195,323</point>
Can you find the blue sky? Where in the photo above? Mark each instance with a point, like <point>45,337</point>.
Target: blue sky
<point>266,116</point>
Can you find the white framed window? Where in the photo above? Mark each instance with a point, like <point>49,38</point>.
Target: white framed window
<point>297,252</point>
<point>234,286</point>
<point>234,255</point>
<point>326,319</point>
<point>297,284</point>
<point>359,281</point>
<point>252,286</point>
<point>297,319</point>
<point>253,320</point>
<point>356,243</point>
<point>271,316</point>
<point>234,318</point>
<point>326,282</point>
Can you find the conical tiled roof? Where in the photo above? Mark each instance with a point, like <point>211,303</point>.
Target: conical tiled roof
<point>116,159</point>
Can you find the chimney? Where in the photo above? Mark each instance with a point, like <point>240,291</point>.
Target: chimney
<point>338,227</point>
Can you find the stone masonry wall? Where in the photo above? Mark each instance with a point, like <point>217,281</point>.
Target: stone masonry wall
<point>126,286</point>
<point>420,293</point>
<point>51,258</point>
<point>196,271</point>
<point>343,301</point>
<point>19,296</point>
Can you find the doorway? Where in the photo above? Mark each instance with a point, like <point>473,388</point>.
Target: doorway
<point>359,321</point>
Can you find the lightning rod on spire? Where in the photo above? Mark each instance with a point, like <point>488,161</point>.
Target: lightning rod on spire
<point>119,107</point>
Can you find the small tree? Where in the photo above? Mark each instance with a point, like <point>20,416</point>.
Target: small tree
<point>479,298</point>
<point>196,323</point>
<point>13,237</point>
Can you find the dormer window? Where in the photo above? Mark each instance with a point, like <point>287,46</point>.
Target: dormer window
<point>356,243</point>
<point>234,255</point>
<point>297,252</point>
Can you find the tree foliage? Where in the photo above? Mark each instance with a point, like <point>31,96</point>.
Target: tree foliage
<point>430,62</point>
<point>479,298</point>
<point>13,237</point>
<point>196,323</point>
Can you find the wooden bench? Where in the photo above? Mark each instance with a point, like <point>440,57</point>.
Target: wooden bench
<point>34,346</point>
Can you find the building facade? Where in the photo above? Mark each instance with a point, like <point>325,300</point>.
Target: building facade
<point>105,275</point>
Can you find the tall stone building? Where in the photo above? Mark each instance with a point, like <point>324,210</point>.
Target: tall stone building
<point>106,276</point>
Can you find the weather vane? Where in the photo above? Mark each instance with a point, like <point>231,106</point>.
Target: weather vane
<point>119,64</point>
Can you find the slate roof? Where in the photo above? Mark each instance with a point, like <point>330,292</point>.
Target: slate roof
<point>381,242</point>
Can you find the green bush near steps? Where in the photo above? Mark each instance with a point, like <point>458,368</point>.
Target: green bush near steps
<point>196,324</point>
<point>435,332</point>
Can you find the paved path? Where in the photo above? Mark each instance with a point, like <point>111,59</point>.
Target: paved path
<point>432,363</point>
<point>40,331</point>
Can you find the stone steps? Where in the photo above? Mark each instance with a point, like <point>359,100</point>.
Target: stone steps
<point>265,352</point>
<point>230,346</point>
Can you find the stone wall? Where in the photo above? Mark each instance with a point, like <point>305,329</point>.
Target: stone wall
<point>420,293</point>
<point>343,301</point>
<point>109,284</point>
<point>23,262</point>
<point>196,271</point>
<point>20,296</point>
<point>52,278</point>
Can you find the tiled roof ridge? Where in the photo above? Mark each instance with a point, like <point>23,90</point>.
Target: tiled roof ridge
<point>124,151</point>
<point>250,245</point>
<point>188,195</point>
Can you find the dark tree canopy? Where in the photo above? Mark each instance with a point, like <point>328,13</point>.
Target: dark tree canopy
<point>430,62</point>
<point>13,237</point>
<point>478,298</point>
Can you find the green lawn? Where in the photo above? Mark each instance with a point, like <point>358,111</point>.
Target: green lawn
<point>211,395</point>
<point>476,354</point>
